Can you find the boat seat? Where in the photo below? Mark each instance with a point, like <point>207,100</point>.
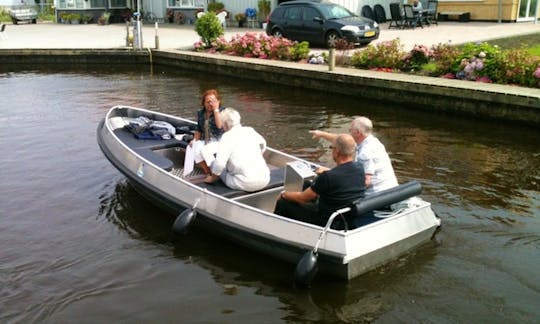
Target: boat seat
<point>362,209</point>
<point>277,178</point>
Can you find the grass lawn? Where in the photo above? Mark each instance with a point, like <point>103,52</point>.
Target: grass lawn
<point>531,42</point>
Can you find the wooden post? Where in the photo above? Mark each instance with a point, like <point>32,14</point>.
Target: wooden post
<point>331,59</point>
<point>157,37</point>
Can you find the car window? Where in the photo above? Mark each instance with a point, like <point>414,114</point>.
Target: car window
<point>331,11</point>
<point>294,13</point>
<point>277,13</point>
<point>310,14</point>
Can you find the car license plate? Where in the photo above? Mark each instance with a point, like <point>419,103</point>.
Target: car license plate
<point>369,33</point>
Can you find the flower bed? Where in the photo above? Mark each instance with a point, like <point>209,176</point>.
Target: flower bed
<point>479,62</point>
<point>257,45</point>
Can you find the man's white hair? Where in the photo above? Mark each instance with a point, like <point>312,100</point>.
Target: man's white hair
<point>230,117</point>
<point>363,124</point>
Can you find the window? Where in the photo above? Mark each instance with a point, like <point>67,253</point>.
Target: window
<point>186,3</point>
<point>118,4</point>
<point>98,3</point>
<point>294,13</point>
<point>71,4</point>
<point>310,14</point>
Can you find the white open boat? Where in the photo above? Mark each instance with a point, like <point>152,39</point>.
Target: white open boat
<point>155,167</point>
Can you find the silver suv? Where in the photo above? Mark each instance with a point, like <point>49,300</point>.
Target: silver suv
<point>23,13</point>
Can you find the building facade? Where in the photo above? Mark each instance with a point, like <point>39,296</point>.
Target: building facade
<point>164,10</point>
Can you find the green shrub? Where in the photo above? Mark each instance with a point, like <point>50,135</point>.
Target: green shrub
<point>299,51</point>
<point>209,28</point>
<point>388,54</point>
<point>515,66</point>
<point>417,57</point>
<point>216,7</point>
<point>444,57</point>
<point>4,15</point>
<point>264,9</point>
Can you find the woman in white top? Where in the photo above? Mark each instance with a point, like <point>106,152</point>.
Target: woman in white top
<point>239,159</point>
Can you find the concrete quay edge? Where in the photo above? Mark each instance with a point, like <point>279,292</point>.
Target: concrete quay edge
<point>488,101</point>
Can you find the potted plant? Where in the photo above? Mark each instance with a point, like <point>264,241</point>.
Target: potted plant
<point>264,10</point>
<point>240,18</point>
<point>179,18</point>
<point>64,17</point>
<point>104,18</point>
<point>75,19</point>
<point>170,15</point>
<point>87,18</point>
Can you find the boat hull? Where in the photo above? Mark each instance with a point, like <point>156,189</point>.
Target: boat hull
<point>248,219</point>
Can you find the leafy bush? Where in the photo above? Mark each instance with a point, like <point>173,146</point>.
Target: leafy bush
<point>443,58</point>
<point>4,15</point>
<point>216,7</point>
<point>299,51</point>
<point>516,67</point>
<point>388,54</point>
<point>209,28</point>
<point>417,57</point>
<point>264,9</point>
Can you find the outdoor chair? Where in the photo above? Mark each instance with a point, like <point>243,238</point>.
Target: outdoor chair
<point>368,12</point>
<point>222,18</point>
<point>396,18</point>
<point>251,16</point>
<point>432,12</point>
<point>380,14</point>
<point>410,19</point>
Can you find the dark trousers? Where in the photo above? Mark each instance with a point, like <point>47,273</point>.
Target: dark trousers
<point>307,212</point>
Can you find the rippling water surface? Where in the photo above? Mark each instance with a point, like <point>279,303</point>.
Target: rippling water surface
<point>79,244</point>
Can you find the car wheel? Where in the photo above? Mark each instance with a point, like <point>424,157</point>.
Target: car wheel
<point>332,38</point>
<point>277,32</point>
<point>34,21</point>
<point>14,21</point>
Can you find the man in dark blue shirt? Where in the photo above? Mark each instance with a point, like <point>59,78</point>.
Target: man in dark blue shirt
<point>335,188</point>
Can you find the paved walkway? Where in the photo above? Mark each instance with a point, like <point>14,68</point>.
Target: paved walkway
<point>51,35</point>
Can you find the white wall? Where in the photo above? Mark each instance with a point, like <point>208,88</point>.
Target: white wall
<point>10,3</point>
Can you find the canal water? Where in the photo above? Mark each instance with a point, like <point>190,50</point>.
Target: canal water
<point>78,244</point>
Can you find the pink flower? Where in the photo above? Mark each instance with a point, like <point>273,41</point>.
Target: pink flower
<point>484,79</point>
<point>536,73</point>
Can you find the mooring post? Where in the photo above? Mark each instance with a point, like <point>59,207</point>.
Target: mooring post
<point>127,33</point>
<point>331,59</point>
<point>157,37</point>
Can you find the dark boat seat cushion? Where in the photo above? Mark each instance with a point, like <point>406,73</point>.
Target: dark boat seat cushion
<point>134,143</point>
<point>277,178</point>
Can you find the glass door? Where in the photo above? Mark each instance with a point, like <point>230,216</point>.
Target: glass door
<point>527,10</point>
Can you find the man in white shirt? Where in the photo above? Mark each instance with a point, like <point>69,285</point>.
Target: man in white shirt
<point>239,159</point>
<point>370,152</point>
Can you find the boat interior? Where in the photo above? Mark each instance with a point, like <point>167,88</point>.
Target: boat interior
<point>169,155</point>
<point>286,171</point>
